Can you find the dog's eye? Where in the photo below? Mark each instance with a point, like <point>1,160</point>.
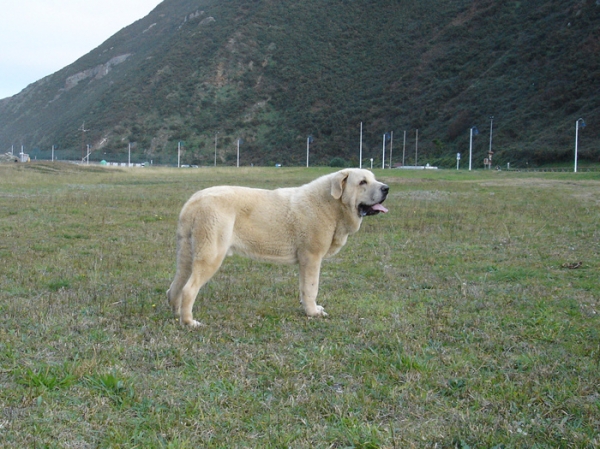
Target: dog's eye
<point>363,182</point>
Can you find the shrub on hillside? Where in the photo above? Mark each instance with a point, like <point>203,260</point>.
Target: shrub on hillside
<point>338,162</point>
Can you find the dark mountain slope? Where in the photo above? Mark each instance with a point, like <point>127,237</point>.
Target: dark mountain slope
<point>274,72</point>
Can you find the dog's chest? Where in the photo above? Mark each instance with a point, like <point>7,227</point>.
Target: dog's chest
<point>337,242</point>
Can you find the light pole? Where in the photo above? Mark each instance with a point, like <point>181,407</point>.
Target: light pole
<point>386,137</point>
<point>239,141</point>
<point>360,148</point>
<point>309,139</point>
<point>577,126</point>
<point>491,131</point>
<point>403,148</point>
<point>472,131</point>
<point>216,134</point>
<point>83,131</point>
<point>416,145</point>
<point>391,146</point>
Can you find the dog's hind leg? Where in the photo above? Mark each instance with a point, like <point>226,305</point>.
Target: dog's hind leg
<point>184,270</point>
<point>204,267</point>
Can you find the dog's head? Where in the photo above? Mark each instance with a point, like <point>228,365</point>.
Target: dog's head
<point>360,190</point>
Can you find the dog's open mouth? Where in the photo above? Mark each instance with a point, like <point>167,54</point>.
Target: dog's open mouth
<point>374,209</point>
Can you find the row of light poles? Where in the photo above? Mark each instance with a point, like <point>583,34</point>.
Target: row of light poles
<point>579,123</point>
<point>473,131</point>
<point>239,142</point>
<point>389,137</point>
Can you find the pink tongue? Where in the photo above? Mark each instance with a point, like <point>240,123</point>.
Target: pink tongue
<point>379,207</point>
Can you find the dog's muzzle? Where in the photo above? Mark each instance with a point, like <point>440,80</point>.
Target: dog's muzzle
<point>374,209</point>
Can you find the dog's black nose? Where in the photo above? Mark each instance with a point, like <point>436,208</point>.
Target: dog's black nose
<point>385,189</point>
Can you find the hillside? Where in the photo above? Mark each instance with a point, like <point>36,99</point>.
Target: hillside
<point>273,73</point>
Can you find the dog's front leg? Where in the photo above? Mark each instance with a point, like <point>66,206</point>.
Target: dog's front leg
<point>310,267</point>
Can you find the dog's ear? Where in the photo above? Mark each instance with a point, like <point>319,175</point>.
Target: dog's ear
<point>338,183</point>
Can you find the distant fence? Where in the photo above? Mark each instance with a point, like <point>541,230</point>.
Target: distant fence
<point>137,157</point>
<point>555,170</point>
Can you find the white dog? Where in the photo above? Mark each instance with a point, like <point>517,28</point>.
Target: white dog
<point>299,225</point>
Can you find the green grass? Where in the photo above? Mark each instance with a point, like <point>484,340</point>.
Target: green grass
<point>454,321</point>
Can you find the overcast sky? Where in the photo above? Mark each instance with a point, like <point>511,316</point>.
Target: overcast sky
<point>40,37</point>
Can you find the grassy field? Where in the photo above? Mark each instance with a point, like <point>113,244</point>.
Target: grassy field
<point>467,317</point>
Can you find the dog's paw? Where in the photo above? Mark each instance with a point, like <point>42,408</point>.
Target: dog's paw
<point>193,324</point>
<point>319,311</point>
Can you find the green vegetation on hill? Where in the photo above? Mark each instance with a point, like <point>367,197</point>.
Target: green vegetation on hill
<point>273,73</point>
